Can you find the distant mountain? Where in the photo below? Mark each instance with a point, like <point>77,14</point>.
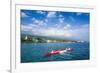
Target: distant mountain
<point>47,37</point>
<point>44,39</point>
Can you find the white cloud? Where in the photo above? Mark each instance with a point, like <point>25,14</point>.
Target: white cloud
<point>52,32</point>
<point>51,14</point>
<point>79,13</point>
<point>72,18</point>
<point>26,29</point>
<point>79,33</point>
<point>41,12</point>
<point>61,16</point>
<point>33,19</point>
<point>38,22</point>
<point>67,26</point>
<point>85,26</point>
<point>30,29</point>
<point>61,20</point>
<point>58,33</point>
<point>24,14</point>
<point>46,20</point>
<point>41,23</point>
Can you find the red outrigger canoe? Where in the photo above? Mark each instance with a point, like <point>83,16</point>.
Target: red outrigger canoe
<point>61,51</point>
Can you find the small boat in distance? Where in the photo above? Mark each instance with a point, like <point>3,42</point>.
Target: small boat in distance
<point>60,51</point>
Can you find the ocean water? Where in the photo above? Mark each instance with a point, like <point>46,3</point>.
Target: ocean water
<point>35,52</point>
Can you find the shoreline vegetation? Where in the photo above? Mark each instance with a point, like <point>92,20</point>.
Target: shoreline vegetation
<point>30,39</point>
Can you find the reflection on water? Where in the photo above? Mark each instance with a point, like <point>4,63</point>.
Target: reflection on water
<point>35,52</point>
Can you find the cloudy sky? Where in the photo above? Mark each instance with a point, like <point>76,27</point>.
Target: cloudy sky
<point>67,25</point>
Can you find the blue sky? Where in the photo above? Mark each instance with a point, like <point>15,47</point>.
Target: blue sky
<point>67,25</point>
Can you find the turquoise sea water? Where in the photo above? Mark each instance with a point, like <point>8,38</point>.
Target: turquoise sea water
<point>35,52</point>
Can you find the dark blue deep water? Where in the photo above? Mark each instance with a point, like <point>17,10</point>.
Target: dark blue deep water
<point>35,52</point>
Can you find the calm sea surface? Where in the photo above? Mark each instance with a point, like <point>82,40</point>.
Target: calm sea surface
<point>35,52</point>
